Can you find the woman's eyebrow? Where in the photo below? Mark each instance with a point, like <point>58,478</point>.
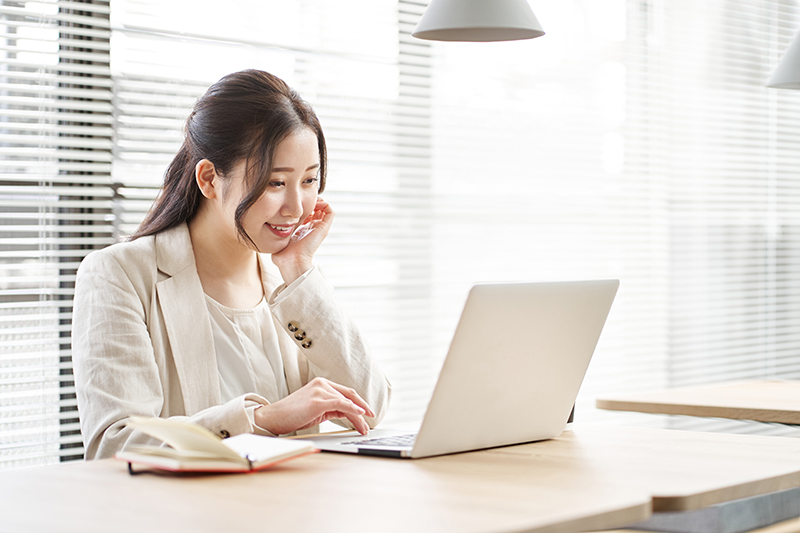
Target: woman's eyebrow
<point>289,169</point>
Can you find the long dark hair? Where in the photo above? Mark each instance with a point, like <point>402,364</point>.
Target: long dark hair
<point>244,116</point>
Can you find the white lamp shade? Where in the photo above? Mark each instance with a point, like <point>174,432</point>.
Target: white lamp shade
<point>787,75</point>
<point>478,20</point>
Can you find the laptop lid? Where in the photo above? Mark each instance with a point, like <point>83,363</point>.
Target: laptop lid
<point>515,365</point>
<point>516,362</point>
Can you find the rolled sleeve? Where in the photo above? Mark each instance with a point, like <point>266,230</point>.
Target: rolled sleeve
<point>283,292</point>
<point>250,410</point>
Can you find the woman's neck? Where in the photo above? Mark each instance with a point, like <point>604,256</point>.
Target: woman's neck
<point>228,269</point>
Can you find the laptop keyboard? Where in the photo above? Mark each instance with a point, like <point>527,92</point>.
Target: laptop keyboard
<point>393,440</point>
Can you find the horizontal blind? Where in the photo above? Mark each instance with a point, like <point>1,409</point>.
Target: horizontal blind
<point>368,84</point>
<point>533,181</point>
<point>735,285</point>
<point>635,140</point>
<point>55,206</point>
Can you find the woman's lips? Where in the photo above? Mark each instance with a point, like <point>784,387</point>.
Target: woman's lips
<point>282,231</point>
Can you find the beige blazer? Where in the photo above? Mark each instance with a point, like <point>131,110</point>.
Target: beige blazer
<point>142,343</point>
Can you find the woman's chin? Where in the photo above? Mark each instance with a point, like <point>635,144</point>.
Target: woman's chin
<point>273,246</point>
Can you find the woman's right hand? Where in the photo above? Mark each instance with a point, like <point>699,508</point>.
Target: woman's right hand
<point>316,402</point>
<point>298,255</point>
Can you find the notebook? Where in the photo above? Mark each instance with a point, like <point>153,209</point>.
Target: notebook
<point>512,373</point>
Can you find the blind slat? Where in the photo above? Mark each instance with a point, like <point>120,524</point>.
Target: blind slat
<point>55,207</point>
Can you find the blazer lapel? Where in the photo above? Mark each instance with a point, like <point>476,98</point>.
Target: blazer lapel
<point>180,297</point>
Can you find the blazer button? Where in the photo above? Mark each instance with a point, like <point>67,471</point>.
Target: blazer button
<point>300,335</point>
<point>224,433</point>
<point>293,326</point>
<point>306,344</point>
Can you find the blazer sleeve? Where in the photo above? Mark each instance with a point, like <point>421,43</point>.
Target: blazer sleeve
<point>327,338</point>
<point>117,372</point>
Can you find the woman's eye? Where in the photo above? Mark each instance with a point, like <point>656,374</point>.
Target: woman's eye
<point>309,181</point>
<point>276,184</point>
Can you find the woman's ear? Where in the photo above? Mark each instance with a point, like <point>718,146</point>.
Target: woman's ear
<point>205,175</point>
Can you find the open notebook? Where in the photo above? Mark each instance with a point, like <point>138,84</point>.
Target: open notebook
<point>515,364</point>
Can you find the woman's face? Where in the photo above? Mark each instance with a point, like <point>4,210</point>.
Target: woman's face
<point>289,198</point>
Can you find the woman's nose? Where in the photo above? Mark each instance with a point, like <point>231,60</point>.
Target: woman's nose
<point>292,204</point>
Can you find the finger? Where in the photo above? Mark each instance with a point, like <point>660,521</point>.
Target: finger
<point>343,405</point>
<point>323,207</point>
<point>312,217</point>
<point>343,408</point>
<point>358,422</point>
<point>319,213</point>
<point>353,396</point>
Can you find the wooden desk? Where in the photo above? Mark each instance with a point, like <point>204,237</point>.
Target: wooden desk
<point>591,478</point>
<point>764,401</point>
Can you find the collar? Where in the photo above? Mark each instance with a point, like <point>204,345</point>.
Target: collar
<point>174,252</point>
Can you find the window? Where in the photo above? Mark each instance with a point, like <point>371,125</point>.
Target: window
<point>634,141</point>
<point>56,195</point>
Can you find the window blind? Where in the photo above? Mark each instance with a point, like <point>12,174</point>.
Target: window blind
<point>732,185</point>
<point>635,140</point>
<point>626,143</point>
<point>55,206</point>
<point>370,86</point>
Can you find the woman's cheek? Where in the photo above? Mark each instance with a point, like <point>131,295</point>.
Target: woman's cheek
<point>308,207</point>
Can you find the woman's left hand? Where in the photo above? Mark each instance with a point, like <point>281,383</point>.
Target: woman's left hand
<point>298,255</point>
<point>317,401</point>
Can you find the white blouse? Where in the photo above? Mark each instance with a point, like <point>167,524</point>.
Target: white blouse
<point>248,354</point>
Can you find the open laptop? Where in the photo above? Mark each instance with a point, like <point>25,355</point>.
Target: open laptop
<point>515,364</point>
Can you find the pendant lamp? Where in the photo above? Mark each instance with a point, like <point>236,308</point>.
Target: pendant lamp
<point>787,75</point>
<point>478,20</point>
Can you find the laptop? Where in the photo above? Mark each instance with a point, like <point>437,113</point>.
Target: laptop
<point>515,364</point>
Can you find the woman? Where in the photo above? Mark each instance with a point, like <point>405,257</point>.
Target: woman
<point>213,312</point>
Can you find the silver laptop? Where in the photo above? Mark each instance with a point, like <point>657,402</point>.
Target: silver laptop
<point>515,364</point>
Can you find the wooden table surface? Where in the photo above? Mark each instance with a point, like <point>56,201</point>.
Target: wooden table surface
<point>590,478</point>
<point>763,400</point>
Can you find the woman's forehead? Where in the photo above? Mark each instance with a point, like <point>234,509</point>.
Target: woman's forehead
<point>299,151</point>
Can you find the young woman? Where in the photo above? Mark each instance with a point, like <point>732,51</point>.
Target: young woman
<point>213,311</point>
